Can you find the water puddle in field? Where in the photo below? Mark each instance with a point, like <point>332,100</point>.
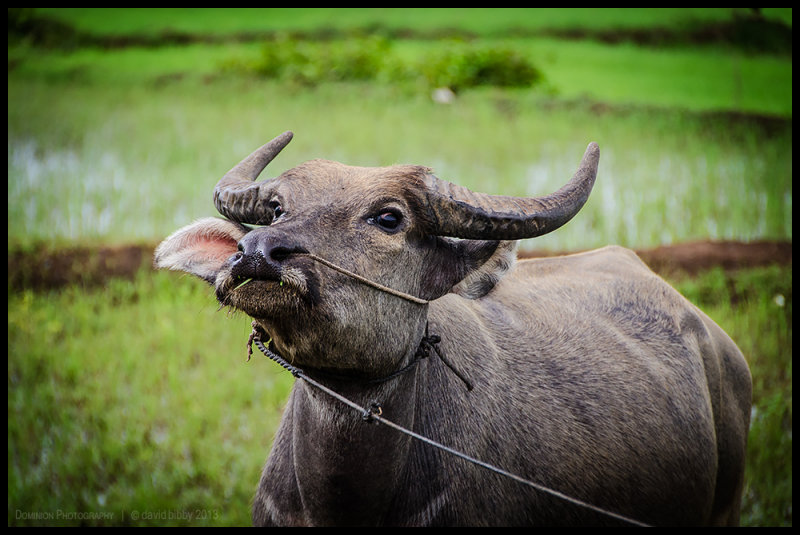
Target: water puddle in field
<point>60,193</point>
<point>85,193</point>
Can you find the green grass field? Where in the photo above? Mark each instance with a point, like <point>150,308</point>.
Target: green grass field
<point>133,403</point>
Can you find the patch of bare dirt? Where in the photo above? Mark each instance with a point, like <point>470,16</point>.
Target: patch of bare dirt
<point>86,266</point>
<point>695,257</point>
<point>41,270</point>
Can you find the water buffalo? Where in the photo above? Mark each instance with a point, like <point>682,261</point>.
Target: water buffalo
<point>586,374</point>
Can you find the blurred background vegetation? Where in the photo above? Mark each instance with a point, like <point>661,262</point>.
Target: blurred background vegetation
<point>130,400</point>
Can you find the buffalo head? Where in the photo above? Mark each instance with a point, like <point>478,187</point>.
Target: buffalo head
<point>400,226</point>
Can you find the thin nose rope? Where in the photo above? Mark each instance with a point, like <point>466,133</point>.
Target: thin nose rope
<point>381,287</point>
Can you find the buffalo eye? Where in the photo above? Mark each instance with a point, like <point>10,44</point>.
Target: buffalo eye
<point>389,221</point>
<point>277,209</point>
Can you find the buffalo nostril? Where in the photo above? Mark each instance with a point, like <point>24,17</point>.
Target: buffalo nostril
<point>266,250</point>
<point>279,254</point>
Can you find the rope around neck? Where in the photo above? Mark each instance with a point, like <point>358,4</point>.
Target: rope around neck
<point>428,344</point>
<point>374,414</point>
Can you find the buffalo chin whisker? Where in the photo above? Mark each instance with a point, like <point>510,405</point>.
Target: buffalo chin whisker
<point>296,279</point>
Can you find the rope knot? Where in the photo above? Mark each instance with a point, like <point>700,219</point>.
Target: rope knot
<point>255,334</point>
<point>428,344</point>
<point>374,409</point>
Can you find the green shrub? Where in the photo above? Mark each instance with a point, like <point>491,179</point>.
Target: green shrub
<point>467,66</point>
<point>312,63</point>
<point>372,58</point>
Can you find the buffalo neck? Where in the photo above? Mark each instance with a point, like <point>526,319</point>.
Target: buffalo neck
<point>347,468</point>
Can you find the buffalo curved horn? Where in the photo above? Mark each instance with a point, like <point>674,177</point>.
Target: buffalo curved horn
<point>460,213</point>
<point>236,195</point>
<point>453,210</point>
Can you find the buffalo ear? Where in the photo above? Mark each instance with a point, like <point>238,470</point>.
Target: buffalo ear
<point>469,268</point>
<point>200,249</point>
<point>482,279</point>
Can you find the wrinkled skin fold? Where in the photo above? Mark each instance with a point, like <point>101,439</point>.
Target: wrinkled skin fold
<point>592,376</point>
